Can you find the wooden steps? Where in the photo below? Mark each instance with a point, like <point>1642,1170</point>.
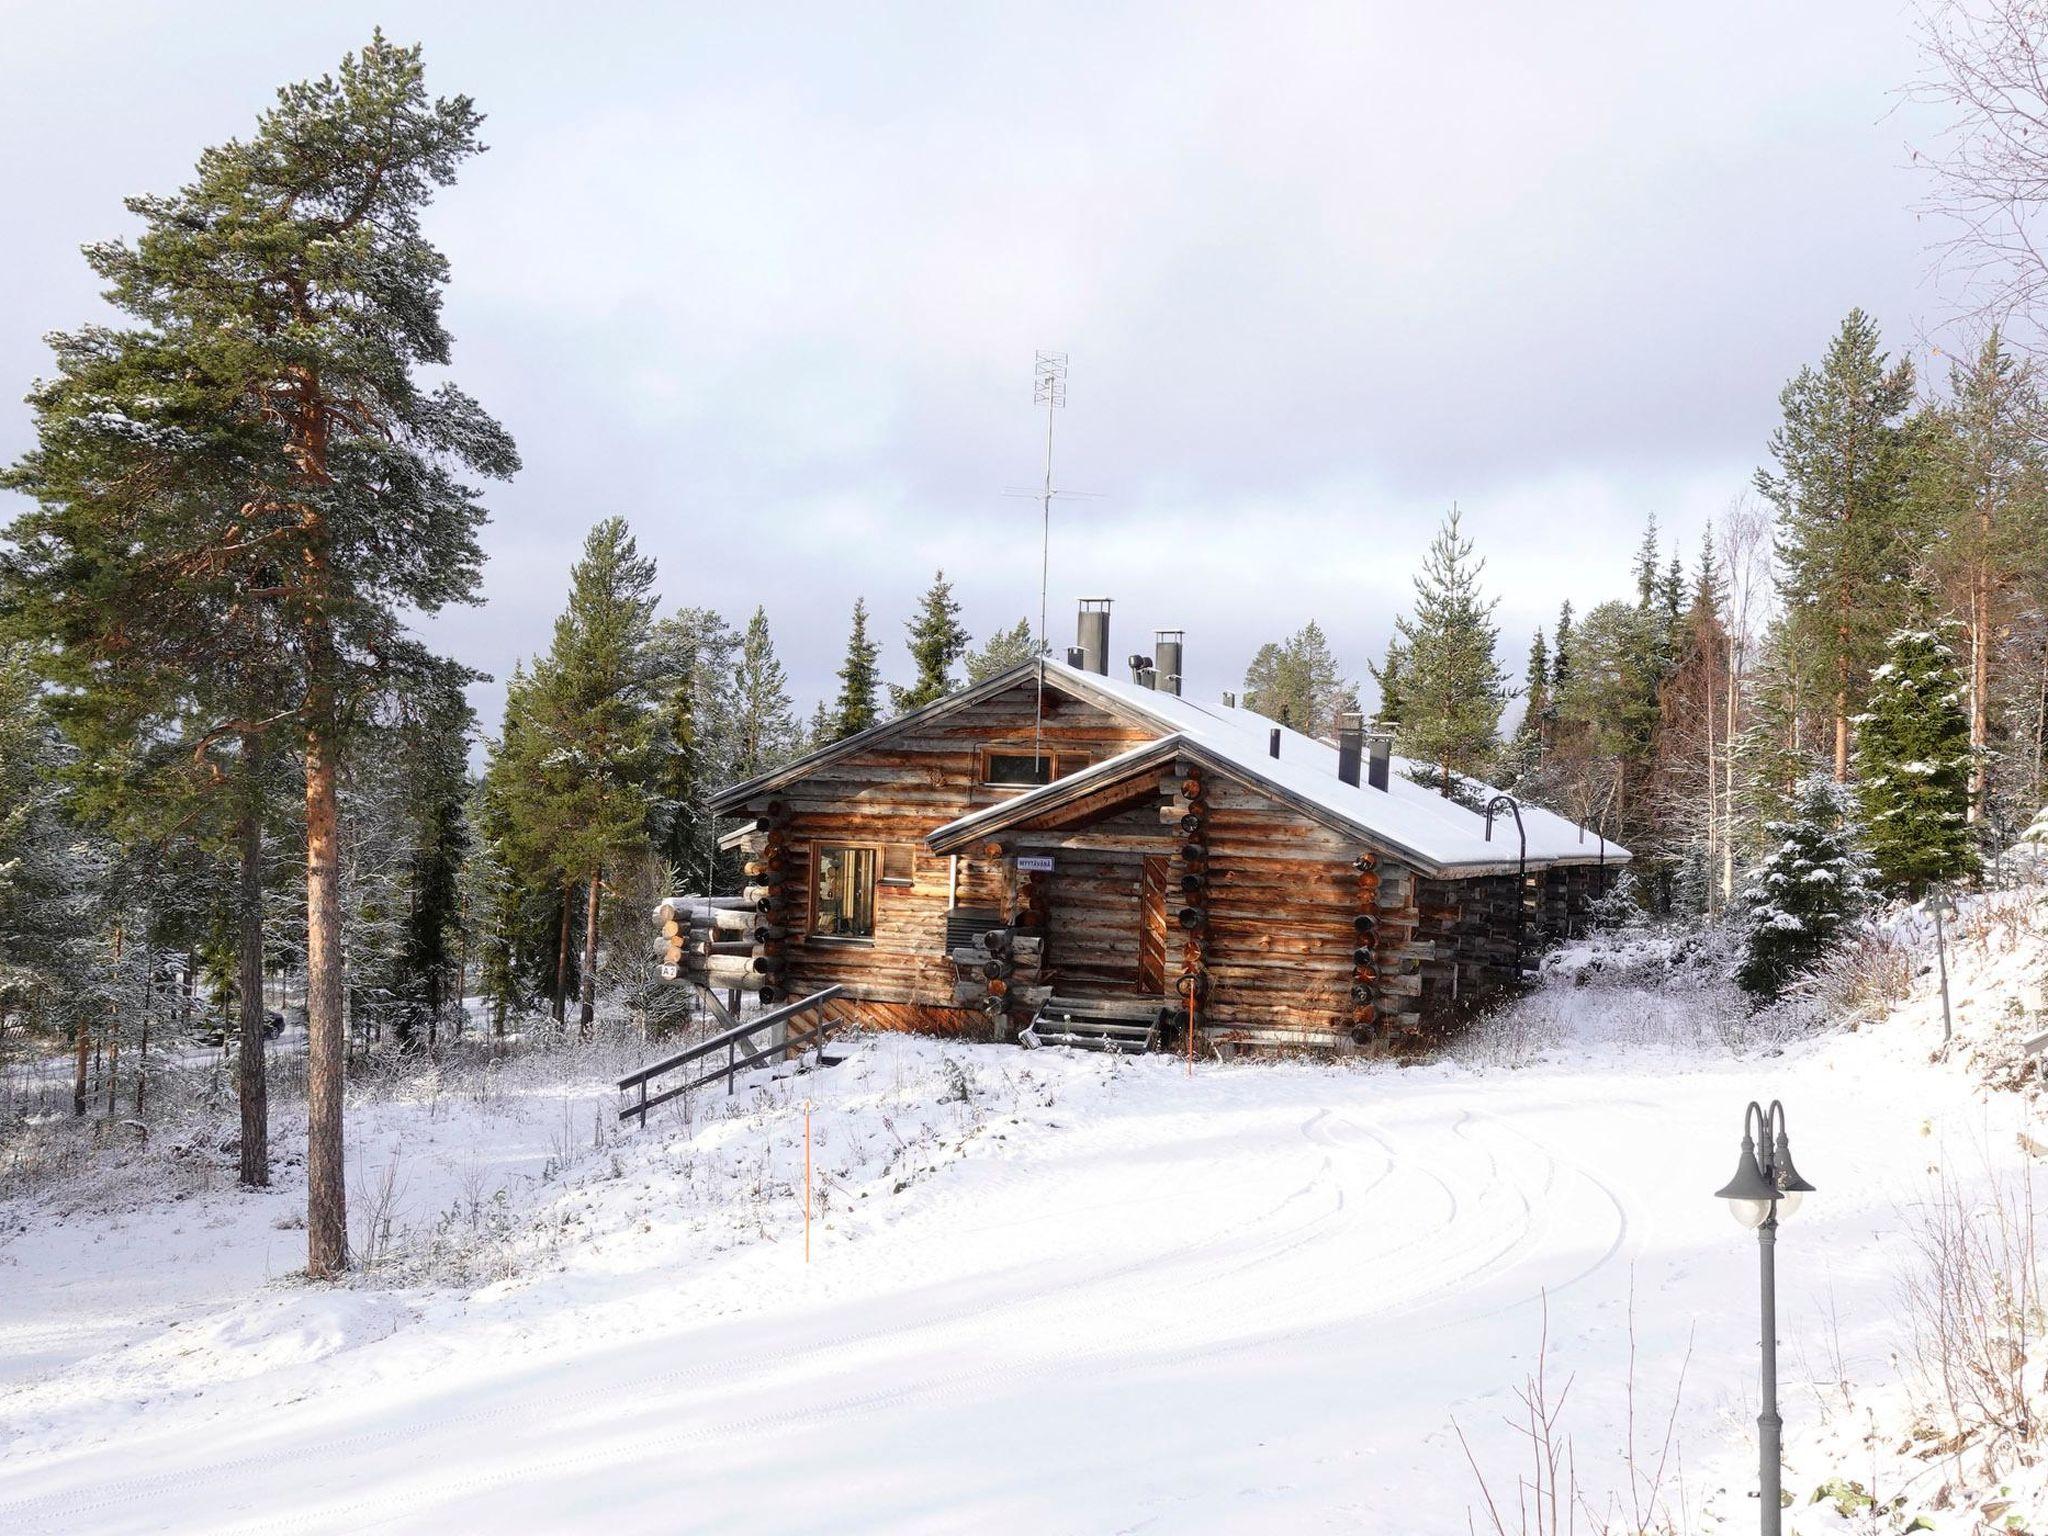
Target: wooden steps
<point>1122,1024</point>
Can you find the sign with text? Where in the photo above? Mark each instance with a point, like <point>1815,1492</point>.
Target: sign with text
<point>1034,863</point>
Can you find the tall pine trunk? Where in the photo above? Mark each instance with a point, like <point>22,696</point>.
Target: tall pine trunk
<point>83,1046</point>
<point>249,962</point>
<point>587,993</point>
<point>562,959</point>
<point>326,1194</point>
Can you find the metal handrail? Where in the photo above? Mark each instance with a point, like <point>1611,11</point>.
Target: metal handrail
<point>740,1052</point>
<point>719,1041</point>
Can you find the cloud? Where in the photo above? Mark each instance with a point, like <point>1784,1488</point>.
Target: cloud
<point>768,281</point>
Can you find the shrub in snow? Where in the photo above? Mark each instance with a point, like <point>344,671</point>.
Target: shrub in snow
<point>1913,765</point>
<point>1805,891</point>
<point>1621,910</point>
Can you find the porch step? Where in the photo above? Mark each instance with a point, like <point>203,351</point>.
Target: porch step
<point>1098,1024</point>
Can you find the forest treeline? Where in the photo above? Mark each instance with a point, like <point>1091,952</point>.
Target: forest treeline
<point>230,769</point>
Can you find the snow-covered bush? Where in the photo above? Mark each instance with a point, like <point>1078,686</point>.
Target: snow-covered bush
<point>1805,891</point>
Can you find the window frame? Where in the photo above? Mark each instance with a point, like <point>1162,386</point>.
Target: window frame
<point>819,846</point>
<point>1064,761</point>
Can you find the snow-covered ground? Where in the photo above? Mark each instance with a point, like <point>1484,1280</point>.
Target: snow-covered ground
<point>1045,1292</point>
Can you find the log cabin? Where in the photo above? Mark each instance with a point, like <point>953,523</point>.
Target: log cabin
<point>1056,854</point>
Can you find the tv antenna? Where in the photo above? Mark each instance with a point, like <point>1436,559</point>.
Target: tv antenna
<point>1049,389</point>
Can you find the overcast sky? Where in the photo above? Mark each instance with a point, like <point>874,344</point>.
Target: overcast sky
<point>768,281</point>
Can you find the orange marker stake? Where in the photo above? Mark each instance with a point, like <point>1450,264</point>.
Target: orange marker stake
<point>807,1181</point>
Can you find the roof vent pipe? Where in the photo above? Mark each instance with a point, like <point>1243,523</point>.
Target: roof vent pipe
<point>1077,658</point>
<point>1273,741</point>
<point>1379,751</point>
<point>1092,634</point>
<point>1143,673</point>
<point>1166,653</point>
<point>1350,747</point>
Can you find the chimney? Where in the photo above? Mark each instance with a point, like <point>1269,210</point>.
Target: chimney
<point>1166,652</point>
<point>1379,746</point>
<point>1273,741</point>
<point>1092,634</point>
<point>1350,746</point>
<point>1077,658</point>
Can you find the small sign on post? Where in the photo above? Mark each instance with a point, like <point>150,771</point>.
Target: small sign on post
<point>670,972</point>
<point>1034,863</point>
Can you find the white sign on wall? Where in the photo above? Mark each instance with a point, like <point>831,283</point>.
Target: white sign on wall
<point>1034,863</point>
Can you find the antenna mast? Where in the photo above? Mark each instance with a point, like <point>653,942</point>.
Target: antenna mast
<point>1049,389</point>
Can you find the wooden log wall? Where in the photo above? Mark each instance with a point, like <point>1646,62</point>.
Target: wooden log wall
<point>1280,929</point>
<point>1187,805</point>
<point>889,797</point>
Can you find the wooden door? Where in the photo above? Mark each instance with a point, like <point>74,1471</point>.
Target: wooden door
<point>1152,929</point>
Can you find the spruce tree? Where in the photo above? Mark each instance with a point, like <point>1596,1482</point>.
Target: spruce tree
<point>1809,886</point>
<point>1845,537</point>
<point>1004,649</point>
<point>1387,676</point>
<point>1536,714</point>
<point>1561,651</point>
<point>859,682</point>
<point>49,868</point>
<point>691,657</point>
<point>936,642</point>
<point>590,733</point>
<point>1982,473</point>
<point>1913,763</point>
<point>430,752</point>
<point>763,719</point>
<point>1452,690</point>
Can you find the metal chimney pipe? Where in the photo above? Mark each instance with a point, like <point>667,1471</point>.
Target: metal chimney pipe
<point>1143,673</point>
<point>1273,741</point>
<point>1092,634</point>
<point>1379,745</point>
<point>1350,747</point>
<point>1077,658</point>
<point>1166,654</point>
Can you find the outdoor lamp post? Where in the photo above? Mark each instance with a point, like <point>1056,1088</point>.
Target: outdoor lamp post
<point>1765,1187</point>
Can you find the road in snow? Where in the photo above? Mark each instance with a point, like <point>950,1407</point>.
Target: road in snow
<point>1122,1299</point>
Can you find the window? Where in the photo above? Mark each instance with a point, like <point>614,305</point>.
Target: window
<point>1019,767</point>
<point>843,890</point>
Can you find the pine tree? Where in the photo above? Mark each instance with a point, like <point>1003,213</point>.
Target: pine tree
<point>1913,764</point>
<point>936,642</point>
<point>1844,536</point>
<point>1297,682</point>
<point>1561,651</point>
<point>1807,889</point>
<point>282,302</point>
<point>764,720</point>
<point>859,682</point>
<point>1452,690</point>
<point>1006,648</point>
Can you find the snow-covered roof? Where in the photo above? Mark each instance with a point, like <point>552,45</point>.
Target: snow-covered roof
<point>1439,834</point>
<point>1407,816</point>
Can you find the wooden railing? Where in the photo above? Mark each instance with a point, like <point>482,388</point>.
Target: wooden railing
<point>741,1054</point>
